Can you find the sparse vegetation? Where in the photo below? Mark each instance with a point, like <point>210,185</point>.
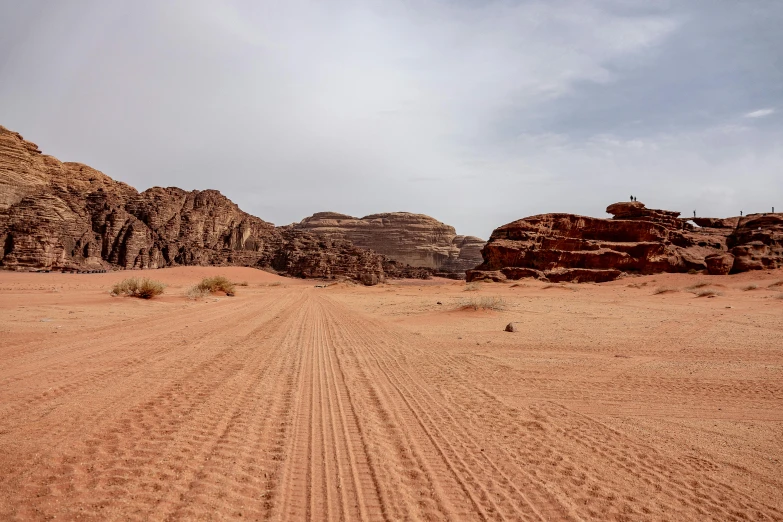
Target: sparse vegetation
<point>211,285</point>
<point>693,271</point>
<point>276,283</point>
<point>243,283</point>
<point>194,292</point>
<point>472,287</point>
<point>776,283</point>
<point>749,287</point>
<point>665,290</point>
<point>484,303</point>
<point>700,284</point>
<point>145,288</point>
<point>707,293</point>
<point>560,286</point>
<point>637,285</point>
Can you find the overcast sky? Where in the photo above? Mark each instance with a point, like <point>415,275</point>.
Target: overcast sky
<point>474,112</point>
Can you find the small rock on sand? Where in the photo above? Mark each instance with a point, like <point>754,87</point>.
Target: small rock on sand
<point>510,327</point>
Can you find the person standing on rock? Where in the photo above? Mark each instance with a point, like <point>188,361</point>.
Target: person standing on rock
<point>694,213</point>
<point>631,198</point>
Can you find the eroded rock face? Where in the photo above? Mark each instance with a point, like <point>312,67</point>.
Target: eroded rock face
<point>567,247</point>
<point>757,242</point>
<point>413,239</point>
<point>56,215</point>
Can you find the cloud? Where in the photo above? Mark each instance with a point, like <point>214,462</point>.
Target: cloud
<point>760,113</point>
<point>475,112</point>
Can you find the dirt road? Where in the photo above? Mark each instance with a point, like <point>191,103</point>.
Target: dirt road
<point>296,404</point>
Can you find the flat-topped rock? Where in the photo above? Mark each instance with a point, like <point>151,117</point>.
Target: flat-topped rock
<point>414,239</point>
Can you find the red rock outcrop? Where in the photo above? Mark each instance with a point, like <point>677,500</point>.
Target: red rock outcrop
<point>65,216</point>
<point>413,239</point>
<point>567,247</point>
<point>757,242</point>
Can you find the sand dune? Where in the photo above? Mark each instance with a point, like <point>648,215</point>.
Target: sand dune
<point>291,402</point>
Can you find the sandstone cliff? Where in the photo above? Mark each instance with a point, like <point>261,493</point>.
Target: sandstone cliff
<point>68,216</point>
<point>413,239</point>
<point>567,247</point>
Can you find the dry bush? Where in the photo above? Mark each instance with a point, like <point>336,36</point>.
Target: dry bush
<point>484,303</point>
<point>700,284</point>
<point>749,287</point>
<point>472,287</point>
<point>194,292</point>
<point>707,293</point>
<point>637,285</point>
<point>561,286</point>
<point>243,283</point>
<point>776,283</point>
<point>144,288</point>
<point>665,290</point>
<point>211,285</point>
<point>693,271</point>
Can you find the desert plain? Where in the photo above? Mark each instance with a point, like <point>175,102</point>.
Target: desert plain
<point>647,398</point>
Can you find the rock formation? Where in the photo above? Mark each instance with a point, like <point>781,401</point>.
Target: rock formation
<point>68,216</point>
<point>567,247</point>
<point>757,242</point>
<point>413,239</point>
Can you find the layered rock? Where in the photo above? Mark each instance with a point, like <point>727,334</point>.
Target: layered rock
<point>414,239</point>
<point>568,247</point>
<point>757,242</point>
<point>56,215</point>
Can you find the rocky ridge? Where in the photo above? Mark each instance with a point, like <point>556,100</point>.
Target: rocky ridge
<point>414,239</point>
<point>568,247</point>
<point>67,216</point>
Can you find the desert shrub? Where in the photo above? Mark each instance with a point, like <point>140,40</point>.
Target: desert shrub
<point>144,288</point>
<point>472,287</point>
<point>750,287</point>
<point>776,283</point>
<point>276,283</point>
<point>216,284</point>
<point>665,290</point>
<point>243,283</point>
<point>693,271</point>
<point>700,284</point>
<point>195,292</point>
<point>484,303</point>
<point>707,293</point>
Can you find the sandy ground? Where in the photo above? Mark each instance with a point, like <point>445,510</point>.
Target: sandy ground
<point>291,402</point>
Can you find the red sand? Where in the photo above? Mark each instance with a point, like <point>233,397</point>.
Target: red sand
<point>290,402</point>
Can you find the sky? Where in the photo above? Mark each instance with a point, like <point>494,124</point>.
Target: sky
<point>475,112</point>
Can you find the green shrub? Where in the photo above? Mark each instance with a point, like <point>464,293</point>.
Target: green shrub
<point>144,288</point>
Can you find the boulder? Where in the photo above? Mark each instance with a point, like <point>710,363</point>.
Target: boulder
<point>495,276</point>
<point>719,263</point>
